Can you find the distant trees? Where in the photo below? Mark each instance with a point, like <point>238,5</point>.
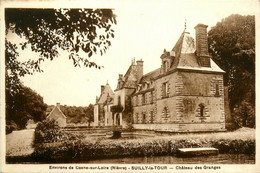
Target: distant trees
<point>77,114</point>
<point>232,44</point>
<point>90,113</point>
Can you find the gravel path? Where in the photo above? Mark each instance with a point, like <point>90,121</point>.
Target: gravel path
<point>19,143</point>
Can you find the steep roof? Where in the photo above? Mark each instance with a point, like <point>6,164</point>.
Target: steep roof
<point>130,79</point>
<point>104,95</point>
<point>56,109</point>
<point>214,68</point>
<point>185,56</point>
<point>150,75</point>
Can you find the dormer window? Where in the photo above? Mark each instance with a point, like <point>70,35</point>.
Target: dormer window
<point>166,66</point>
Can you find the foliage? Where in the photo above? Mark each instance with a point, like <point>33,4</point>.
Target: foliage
<point>25,105</point>
<point>47,31</point>
<point>244,115</point>
<point>232,44</point>
<point>90,113</point>
<point>73,30</point>
<point>11,126</point>
<point>76,114</point>
<point>49,131</point>
<point>81,150</point>
<point>235,146</point>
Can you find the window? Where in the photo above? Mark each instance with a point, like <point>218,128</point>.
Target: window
<point>134,101</point>
<point>143,118</point>
<point>166,65</point>
<point>143,99</point>
<point>151,100</point>
<point>165,89</point>
<point>152,118</point>
<point>188,105</point>
<point>165,112</point>
<point>202,110</point>
<point>136,118</point>
<point>217,88</point>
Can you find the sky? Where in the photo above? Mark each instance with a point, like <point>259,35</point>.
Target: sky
<point>143,31</point>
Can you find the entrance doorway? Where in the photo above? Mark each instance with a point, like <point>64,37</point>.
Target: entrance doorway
<point>117,121</point>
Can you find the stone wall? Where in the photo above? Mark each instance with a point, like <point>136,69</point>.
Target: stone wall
<point>95,115</point>
<point>108,115</point>
<point>194,100</point>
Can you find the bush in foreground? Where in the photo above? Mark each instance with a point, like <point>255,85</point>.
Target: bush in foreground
<point>48,131</point>
<point>79,150</point>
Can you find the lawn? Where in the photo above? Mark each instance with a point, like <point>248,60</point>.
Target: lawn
<point>241,141</point>
<point>240,134</point>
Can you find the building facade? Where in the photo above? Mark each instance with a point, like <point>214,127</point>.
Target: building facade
<point>57,115</point>
<point>185,94</point>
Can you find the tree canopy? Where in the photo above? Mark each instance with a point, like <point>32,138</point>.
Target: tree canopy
<point>77,115</point>
<point>25,105</point>
<point>81,32</point>
<point>46,31</point>
<point>232,44</point>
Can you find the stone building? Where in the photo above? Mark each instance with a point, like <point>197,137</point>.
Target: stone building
<point>57,115</point>
<point>185,94</point>
<point>102,113</point>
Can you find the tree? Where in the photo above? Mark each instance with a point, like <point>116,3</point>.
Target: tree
<point>46,32</point>
<point>232,44</point>
<point>25,105</point>
<point>90,113</point>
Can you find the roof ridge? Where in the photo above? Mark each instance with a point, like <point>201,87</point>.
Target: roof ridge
<point>151,72</point>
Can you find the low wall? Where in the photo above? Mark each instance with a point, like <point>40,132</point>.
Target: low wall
<point>182,127</point>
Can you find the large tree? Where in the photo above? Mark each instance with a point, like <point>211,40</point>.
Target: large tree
<point>25,105</point>
<point>232,44</point>
<point>46,31</point>
<point>81,32</point>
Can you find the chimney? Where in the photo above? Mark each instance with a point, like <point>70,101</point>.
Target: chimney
<point>58,105</point>
<point>202,45</point>
<point>139,64</point>
<point>102,88</point>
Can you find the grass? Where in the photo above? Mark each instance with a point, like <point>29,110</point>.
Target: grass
<point>240,134</point>
<point>19,143</point>
<point>241,141</point>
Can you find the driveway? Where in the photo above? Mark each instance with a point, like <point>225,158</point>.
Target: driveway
<point>19,143</point>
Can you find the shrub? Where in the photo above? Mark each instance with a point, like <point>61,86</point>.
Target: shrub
<point>10,127</point>
<point>244,115</point>
<point>48,131</point>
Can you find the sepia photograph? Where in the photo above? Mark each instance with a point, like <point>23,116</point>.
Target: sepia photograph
<point>131,86</point>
